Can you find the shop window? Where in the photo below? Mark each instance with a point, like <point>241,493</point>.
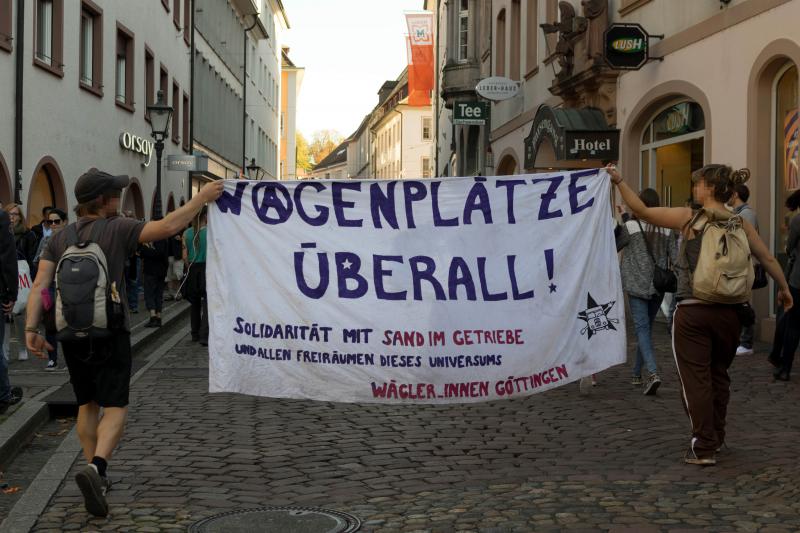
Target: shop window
<point>6,26</point>
<point>786,152</point>
<point>500,45</point>
<point>49,35</point>
<point>124,68</point>
<point>531,35</point>
<point>176,112</point>
<point>91,48</point>
<point>463,30</point>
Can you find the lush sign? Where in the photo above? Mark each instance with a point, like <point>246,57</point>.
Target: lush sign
<point>626,46</point>
<point>413,291</point>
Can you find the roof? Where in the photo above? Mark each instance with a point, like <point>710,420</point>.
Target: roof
<point>337,156</point>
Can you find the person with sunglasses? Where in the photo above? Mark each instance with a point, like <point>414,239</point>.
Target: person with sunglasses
<point>56,221</point>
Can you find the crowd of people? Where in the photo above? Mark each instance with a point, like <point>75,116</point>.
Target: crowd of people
<point>692,253</point>
<point>663,251</point>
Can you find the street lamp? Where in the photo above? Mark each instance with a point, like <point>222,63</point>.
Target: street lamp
<point>160,115</point>
<point>255,170</point>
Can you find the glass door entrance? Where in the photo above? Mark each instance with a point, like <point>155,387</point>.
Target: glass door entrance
<point>672,148</point>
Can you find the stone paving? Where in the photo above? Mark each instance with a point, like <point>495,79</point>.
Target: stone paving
<point>607,461</point>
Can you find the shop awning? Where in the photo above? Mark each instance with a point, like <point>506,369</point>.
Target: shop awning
<point>575,135</point>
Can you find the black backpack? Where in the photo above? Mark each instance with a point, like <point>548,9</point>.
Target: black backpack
<point>83,290</point>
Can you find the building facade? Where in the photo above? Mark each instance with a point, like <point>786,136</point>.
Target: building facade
<point>291,80</point>
<point>680,110</point>
<point>402,135</point>
<point>75,80</point>
<point>228,88</point>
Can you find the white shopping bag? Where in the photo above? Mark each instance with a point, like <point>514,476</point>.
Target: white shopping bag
<point>25,284</point>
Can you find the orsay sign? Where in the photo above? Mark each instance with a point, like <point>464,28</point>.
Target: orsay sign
<point>627,46</point>
<point>138,145</point>
<point>497,88</point>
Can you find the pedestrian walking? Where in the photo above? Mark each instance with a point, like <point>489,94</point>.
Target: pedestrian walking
<point>649,246</point>
<point>705,331</point>
<point>100,366</point>
<point>176,266</point>
<point>42,229</point>
<point>155,261</point>
<point>25,244</point>
<point>9,286</point>
<point>55,222</point>
<point>194,254</point>
<point>738,201</point>
<point>787,330</point>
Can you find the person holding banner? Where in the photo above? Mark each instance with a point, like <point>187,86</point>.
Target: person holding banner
<point>705,333</point>
<point>100,369</point>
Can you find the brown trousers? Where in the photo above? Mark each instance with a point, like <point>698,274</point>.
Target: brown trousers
<point>704,341</point>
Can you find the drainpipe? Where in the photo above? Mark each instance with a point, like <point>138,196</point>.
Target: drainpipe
<point>244,92</point>
<point>191,101</point>
<point>436,97</point>
<point>18,88</point>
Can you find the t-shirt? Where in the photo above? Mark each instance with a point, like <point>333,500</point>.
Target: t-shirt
<point>118,241</point>
<point>195,255</point>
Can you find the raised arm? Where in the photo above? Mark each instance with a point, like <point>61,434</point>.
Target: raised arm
<point>665,217</point>
<point>175,221</point>
<point>771,265</point>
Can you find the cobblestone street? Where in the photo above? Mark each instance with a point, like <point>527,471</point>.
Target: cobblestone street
<point>611,460</point>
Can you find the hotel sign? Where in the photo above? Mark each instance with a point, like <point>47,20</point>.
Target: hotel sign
<point>627,46</point>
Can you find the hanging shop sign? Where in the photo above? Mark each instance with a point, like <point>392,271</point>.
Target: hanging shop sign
<point>187,163</point>
<point>627,46</point>
<point>575,134</point>
<point>497,88</point>
<point>137,145</point>
<point>470,113</point>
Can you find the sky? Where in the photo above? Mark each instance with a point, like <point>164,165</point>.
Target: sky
<point>348,49</point>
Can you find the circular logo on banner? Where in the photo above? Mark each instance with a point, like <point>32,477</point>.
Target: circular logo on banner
<point>497,88</point>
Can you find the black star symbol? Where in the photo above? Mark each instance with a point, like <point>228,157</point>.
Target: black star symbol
<point>552,288</point>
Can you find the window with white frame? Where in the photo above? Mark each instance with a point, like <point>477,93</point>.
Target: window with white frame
<point>426,167</point>
<point>427,128</point>
<point>463,30</point>
<point>44,31</point>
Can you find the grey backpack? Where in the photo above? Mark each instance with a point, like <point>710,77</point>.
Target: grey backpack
<point>83,290</point>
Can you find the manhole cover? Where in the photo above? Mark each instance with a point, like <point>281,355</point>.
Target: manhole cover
<point>279,520</point>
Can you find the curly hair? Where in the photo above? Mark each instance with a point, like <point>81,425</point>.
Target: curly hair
<point>722,178</point>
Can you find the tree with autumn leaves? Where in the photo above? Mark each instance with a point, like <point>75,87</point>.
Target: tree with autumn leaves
<point>322,143</point>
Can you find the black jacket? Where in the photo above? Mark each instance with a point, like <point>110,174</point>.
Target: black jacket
<point>27,244</point>
<point>155,258</point>
<point>9,280</point>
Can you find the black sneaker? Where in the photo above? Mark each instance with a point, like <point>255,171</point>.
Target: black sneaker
<point>94,489</point>
<point>13,399</point>
<point>653,382</point>
<point>691,458</point>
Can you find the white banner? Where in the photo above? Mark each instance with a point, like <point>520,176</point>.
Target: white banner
<point>413,291</point>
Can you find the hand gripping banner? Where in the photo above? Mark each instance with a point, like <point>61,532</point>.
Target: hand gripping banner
<point>413,291</point>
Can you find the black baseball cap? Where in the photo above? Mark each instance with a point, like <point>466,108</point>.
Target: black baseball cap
<point>94,183</point>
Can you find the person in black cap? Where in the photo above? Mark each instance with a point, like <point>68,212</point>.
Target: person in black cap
<point>104,382</point>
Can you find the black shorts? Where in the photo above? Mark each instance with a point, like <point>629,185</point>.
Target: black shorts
<point>100,370</point>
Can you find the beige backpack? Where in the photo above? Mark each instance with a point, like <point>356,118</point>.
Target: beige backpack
<point>724,272</point>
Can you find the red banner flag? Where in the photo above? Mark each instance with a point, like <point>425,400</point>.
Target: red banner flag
<point>420,58</point>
